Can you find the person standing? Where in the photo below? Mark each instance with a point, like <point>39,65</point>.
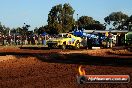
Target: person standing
<point>109,40</point>
<point>89,43</point>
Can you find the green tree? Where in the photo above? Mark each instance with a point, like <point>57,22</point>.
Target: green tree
<point>1,28</point>
<point>36,30</point>
<point>85,21</point>
<point>128,23</point>
<point>130,19</point>
<point>89,23</point>
<point>45,29</point>
<point>24,29</point>
<point>116,19</point>
<point>6,31</point>
<point>13,30</point>
<point>60,18</point>
<point>19,30</point>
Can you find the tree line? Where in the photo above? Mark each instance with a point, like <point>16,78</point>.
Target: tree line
<point>60,19</point>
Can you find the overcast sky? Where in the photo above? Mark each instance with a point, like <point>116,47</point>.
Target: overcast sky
<point>13,13</point>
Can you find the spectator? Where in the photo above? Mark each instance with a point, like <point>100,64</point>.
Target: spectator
<point>89,43</point>
<point>109,40</point>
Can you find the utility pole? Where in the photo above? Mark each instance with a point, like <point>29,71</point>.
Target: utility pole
<point>77,21</point>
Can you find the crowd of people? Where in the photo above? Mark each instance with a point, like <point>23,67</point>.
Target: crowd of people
<point>23,40</point>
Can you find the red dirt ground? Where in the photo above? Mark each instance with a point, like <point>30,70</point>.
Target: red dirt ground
<point>25,68</point>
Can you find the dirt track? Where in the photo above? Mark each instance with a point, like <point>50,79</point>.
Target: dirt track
<point>25,68</point>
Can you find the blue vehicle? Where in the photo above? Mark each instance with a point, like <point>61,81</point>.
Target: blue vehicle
<point>96,38</point>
